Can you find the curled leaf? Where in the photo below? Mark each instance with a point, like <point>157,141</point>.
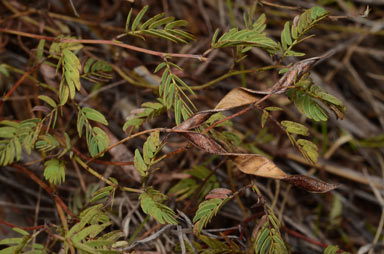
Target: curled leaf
<point>310,184</point>
<point>204,143</point>
<point>259,166</point>
<point>195,121</point>
<point>235,98</point>
<point>221,193</point>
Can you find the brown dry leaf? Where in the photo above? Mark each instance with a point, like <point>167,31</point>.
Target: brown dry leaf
<point>221,193</point>
<point>259,166</point>
<point>235,98</point>
<point>204,143</point>
<point>194,121</point>
<point>310,184</point>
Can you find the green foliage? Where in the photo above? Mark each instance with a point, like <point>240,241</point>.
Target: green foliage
<point>151,109</point>
<point>15,136</point>
<point>207,209</point>
<point>97,70</point>
<point>97,139</point>
<point>56,48</point>
<point>216,246</point>
<point>54,171</point>
<point>23,244</point>
<point>202,181</point>
<point>151,203</point>
<point>157,26</point>
<point>306,147</point>
<point>295,128</point>
<point>306,95</point>
<point>3,70</point>
<point>268,239</point>
<point>333,249</point>
<point>89,231</point>
<point>372,142</point>
<point>253,36</point>
<point>71,76</point>
<point>293,34</point>
<point>46,143</point>
<point>70,64</point>
<point>84,235</point>
<point>172,91</point>
<point>102,193</point>
<point>150,149</point>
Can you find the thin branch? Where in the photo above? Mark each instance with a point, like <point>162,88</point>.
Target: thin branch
<point>105,42</point>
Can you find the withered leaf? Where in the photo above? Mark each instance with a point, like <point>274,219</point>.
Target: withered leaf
<point>195,121</point>
<point>43,109</point>
<point>259,166</point>
<point>235,98</point>
<point>204,143</point>
<point>310,184</point>
<point>221,193</point>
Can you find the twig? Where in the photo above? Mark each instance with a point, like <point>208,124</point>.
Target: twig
<point>45,187</point>
<point>105,42</point>
<point>17,84</point>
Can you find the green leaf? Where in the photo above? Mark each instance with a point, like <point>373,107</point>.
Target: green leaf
<point>3,70</point>
<point>207,209</point>
<point>140,164</point>
<point>92,231</point>
<point>214,37</point>
<point>7,132</point>
<point>63,93</point>
<point>98,141</point>
<point>308,149</point>
<point>138,18</point>
<point>101,193</point>
<point>54,171</point>
<point>127,22</point>
<point>264,118</point>
<point>94,115</point>
<point>72,69</point>
<point>9,250</point>
<point>161,22</point>
<point>176,23</point>
<point>286,39</point>
<point>134,122</point>
<point>151,147</point>
<point>273,108</point>
<point>151,204</point>
<point>330,98</point>
<point>40,50</point>
<point>295,128</point>
<point>21,231</point>
<point>47,143</point>
<point>48,100</point>
<point>87,65</point>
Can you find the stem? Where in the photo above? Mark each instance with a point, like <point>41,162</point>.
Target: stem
<point>233,73</point>
<point>48,189</point>
<point>17,84</point>
<point>105,42</point>
<point>102,178</point>
<point>93,172</point>
<point>124,140</point>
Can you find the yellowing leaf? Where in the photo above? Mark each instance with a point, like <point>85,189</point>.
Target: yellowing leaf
<point>259,166</point>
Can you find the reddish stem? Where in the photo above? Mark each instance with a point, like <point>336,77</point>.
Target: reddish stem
<point>106,42</point>
<point>45,187</point>
<point>24,228</point>
<point>17,84</point>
